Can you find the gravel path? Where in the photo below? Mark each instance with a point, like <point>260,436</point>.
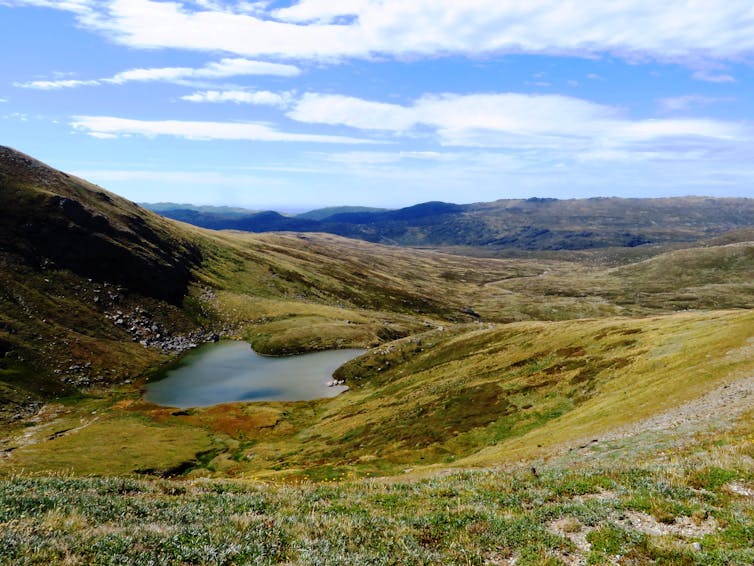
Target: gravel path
<point>717,409</point>
<point>720,407</point>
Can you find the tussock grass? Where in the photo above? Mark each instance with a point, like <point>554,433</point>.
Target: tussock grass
<point>471,517</point>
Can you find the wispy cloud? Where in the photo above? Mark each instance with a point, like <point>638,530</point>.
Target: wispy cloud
<point>77,6</point>
<point>514,121</point>
<point>687,102</point>
<point>230,67</point>
<point>110,126</point>
<point>676,30</point>
<point>259,97</point>
<point>713,77</point>
<point>57,84</point>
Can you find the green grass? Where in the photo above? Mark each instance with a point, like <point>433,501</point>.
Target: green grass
<point>473,517</point>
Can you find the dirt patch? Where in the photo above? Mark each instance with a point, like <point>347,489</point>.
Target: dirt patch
<point>571,529</point>
<point>683,527</point>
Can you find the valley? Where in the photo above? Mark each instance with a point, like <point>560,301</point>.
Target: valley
<point>581,363</point>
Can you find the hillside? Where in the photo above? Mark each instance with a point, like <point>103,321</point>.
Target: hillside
<point>531,225</point>
<point>605,404</point>
<point>322,213</point>
<point>96,290</point>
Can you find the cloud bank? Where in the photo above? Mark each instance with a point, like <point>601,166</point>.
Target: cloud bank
<point>686,31</point>
<point>516,121</point>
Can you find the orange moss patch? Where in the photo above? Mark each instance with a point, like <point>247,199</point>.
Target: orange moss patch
<point>234,420</point>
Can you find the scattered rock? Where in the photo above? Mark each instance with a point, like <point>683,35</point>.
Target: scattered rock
<point>740,489</point>
<point>682,526</point>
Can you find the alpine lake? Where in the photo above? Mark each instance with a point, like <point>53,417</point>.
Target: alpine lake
<point>229,371</point>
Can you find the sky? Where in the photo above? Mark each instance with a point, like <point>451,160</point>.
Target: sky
<point>312,103</point>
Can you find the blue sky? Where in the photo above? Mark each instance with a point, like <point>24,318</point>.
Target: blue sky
<point>297,105</point>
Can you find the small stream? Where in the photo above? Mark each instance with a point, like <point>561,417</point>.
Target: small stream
<point>231,371</point>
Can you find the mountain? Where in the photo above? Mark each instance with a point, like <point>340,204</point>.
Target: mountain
<point>534,224</point>
<point>73,257</point>
<point>224,210</point>
<point>95,290</point>
<point>322,213</point>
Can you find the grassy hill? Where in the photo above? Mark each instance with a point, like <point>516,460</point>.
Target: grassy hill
<point>604,405</point>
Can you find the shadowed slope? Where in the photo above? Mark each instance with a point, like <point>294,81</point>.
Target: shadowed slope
<point>48,218</point>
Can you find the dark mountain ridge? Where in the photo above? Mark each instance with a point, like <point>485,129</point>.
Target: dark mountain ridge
<point>523,224</point>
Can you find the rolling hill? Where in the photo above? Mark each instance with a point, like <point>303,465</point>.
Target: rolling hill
<point>591,400</point>
<point>534,224</point>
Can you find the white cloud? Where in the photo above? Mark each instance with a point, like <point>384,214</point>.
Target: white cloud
<point>509,112</point>
<point>559,124</point>
<point>675,30</point>
<point>77,6</point>
<point>57,84</point>
<point>221,69</point>
<point>712,77</point>
<point>686,102</point>
<point>259,97</point>
<point>354,112</point>
<point>329,11</point>
<point>109,126</point>
<point>215,70</point>
<point>3,100</point>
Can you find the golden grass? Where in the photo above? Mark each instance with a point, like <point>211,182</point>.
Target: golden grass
<point>111,446</point>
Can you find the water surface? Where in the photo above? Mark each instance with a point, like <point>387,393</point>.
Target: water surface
<point>231,371</point>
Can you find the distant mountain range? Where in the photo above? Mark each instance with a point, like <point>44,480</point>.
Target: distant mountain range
<point>530,224</point>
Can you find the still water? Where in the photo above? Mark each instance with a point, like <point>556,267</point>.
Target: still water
<point>231,371</point>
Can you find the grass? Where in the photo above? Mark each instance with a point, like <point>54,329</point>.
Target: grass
<point>593,513</point>
<point>100,444</point>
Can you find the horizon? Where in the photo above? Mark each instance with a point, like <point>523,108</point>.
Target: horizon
<point>310,104</point>
<point>301,210</point>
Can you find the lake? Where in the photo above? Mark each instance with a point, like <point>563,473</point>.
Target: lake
<point>225,372</point>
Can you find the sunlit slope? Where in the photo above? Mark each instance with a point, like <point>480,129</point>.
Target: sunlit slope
<point>713,277</point>
<point>292,293</point>
<point>466,395</point>
<point>513,391</point>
